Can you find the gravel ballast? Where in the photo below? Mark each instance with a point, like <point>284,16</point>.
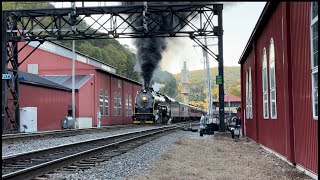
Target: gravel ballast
<point>17,147</point>
<point>186,155</point>
<point>127,164</point>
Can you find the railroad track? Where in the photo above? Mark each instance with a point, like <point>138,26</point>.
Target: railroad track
<point>76,156</point>
<point>65,132</point>
<point>62,133</point>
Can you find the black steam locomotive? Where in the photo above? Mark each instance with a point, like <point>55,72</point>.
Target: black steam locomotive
<point>154,108</point>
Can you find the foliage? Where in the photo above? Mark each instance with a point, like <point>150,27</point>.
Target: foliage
<point>166,78</point>
<point>109,51</point>
<point>198,89</point>
<point>25,5</point>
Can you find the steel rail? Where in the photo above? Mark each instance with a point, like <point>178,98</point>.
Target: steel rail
<point>59,132</point>
<point>66,132</point>
<point>68,154</point>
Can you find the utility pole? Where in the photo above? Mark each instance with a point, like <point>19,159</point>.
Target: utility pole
<point>207,73</point>
<point>205,54</point>
<point>222,126</point>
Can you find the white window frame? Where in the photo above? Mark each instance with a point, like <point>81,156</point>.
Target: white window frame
<point>101,106</point>
<point>119,104</point>
<point>130,105</point>
<point>106,103</point>
<point>247,95</point>
<point>314,68</point>
<point>265,102</point>
<point>250,94</point>
<point>115,104</point>
<point>127,105</point>
<point>272,64</point>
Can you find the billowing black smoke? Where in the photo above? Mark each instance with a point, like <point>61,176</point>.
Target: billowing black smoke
<point>149,55</point>
<point>150,49</point>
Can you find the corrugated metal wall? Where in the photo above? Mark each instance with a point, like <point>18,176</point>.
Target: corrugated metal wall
<point>115,119</point>
<point>52,105</point>
<point>127,92</point>
<point>50,63</point>
<point>272,132</point>
<point>294,134</point>
<point>86,100</point>
<point>102,81</point>
<point>305,128</point>
<point>250,124</point>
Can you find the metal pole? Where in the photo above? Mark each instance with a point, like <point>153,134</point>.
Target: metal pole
<point>222,127</point>
<point>73,78</point>
<point>209,80</point>
<point>4,66</point>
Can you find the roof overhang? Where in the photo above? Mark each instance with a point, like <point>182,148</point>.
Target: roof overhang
<point>44,85</point>
<point>118,76</point>
<point>267,11</point>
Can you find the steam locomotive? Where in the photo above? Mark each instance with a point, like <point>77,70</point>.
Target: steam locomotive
<point>154,108</point>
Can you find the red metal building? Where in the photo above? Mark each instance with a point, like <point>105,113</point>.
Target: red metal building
<point>98,87</point>
<point>279,83</point>
<point>51,109</point>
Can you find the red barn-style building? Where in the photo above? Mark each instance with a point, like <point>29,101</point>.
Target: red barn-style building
<point>279,83</point>
<point>98,87</point>
<point>34,91</point>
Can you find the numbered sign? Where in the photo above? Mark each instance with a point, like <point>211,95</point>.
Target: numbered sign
<point>6,76</point>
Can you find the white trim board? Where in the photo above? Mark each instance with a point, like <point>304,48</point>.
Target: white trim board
<point>307,172</point>
<point>277,154</point>
<point>299,167</point>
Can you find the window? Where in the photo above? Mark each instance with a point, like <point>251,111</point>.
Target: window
<point>314,58</point>
<point>272,81</point>
<point>119,84</point>
<point>130,105</point>
<point>247,96</point>
<point>101,102</point>
<point>250,94</point>
<point>127,105</point>
<point>265,85</point>
<point>106,103</point>
<point>119,103</point>
<point>33,68</point>
<point>115,102</point>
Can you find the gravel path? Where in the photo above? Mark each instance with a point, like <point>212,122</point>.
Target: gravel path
<point>127,164</point>
<point>218,157</point>
<point>16,147</point>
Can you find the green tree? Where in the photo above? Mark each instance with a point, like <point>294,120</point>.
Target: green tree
<point>109,51</point>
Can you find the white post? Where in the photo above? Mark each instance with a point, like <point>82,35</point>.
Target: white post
<point>73,79</point>
<point>73,4</point>
<point>209,100</point>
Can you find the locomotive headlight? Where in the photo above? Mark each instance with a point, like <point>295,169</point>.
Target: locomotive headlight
<point>144,98</point>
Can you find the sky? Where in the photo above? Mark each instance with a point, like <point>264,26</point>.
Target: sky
<point>239,20</point>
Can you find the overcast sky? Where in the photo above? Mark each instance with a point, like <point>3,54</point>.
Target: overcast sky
<point>239,19</point>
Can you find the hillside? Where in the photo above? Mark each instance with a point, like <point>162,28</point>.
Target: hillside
<point>198,90</point>
<point>109,51</point>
